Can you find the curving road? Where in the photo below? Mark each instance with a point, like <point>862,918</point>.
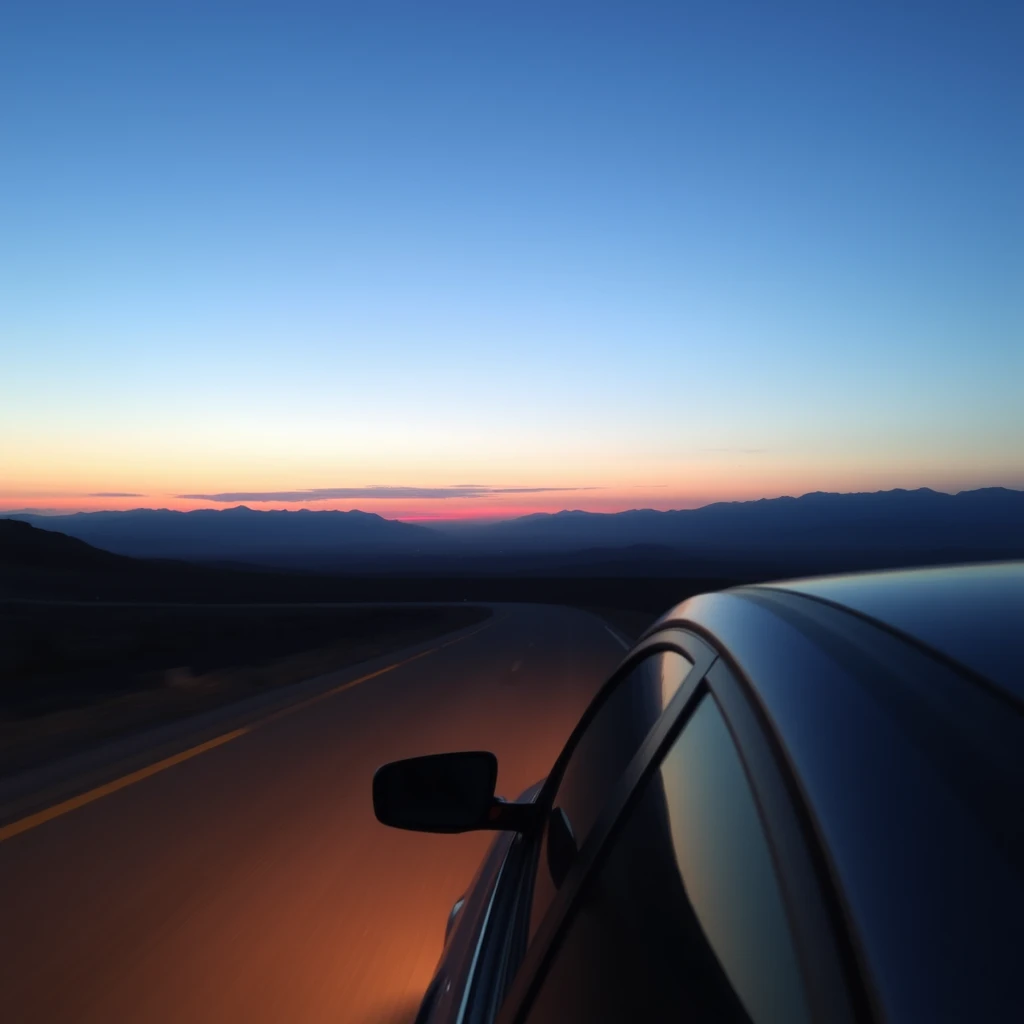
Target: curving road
<point>251,883</point>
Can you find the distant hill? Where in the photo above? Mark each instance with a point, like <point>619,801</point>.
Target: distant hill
<point>39,564</point>
<point>780,536</point>
<point>981,523</point>
<point>240,534</point>
<point>23,546</point>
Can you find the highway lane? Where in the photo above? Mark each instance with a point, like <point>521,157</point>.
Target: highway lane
<point>252,883</point>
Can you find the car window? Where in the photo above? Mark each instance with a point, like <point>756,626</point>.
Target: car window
<point>601,756</point>
<point>684,920</point>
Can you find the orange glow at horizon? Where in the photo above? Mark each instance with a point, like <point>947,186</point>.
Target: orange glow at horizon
<point>505,485</point>
<point>422,475</point>
<point>495,506</point>
<point>426,510</point>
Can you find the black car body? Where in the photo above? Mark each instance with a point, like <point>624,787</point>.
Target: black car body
<point>791,802</point>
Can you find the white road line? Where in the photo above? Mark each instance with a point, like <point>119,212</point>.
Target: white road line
<point>615,636</point>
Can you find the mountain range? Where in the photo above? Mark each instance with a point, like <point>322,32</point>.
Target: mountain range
<point>808,533</point>
<point>238,534</point>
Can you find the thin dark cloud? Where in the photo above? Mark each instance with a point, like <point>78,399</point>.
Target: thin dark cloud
<point>376,492</point>
<point>115,494</point>
<point>34,512</point>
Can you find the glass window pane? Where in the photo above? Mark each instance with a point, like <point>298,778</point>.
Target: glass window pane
<point>601,756</point>
<point>684,920</point>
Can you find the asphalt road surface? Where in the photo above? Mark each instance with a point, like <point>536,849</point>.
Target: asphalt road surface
<point>251,882</point>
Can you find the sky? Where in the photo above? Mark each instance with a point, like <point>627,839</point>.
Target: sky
<point>455,260</point>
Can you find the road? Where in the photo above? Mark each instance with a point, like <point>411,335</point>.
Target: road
<point>252,883</point>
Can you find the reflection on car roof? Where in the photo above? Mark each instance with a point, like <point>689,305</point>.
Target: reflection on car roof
<point>972,614</point>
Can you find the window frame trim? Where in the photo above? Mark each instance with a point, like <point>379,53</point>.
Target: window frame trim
<point>689,645</point>
<point>806,890</point>
<point>520,863</point>
<point>552,927</point>
<point>692,648</point>
<point>806,895</point>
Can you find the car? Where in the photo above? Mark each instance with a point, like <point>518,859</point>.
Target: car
<point>792,802</point>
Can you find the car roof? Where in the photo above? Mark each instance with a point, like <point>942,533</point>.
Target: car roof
<point>906,761</point>
<point>972,615</point>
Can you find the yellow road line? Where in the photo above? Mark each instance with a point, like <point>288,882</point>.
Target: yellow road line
<point>57,810</point>
<point>40,817</point>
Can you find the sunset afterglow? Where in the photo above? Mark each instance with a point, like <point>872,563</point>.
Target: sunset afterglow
<point>306,258</point>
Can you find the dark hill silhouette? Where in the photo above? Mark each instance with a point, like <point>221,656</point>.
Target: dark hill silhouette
<point>23,546</point>
<point>771,537</point>
<point>238,534</point>
<point>981,523</point>
<point>43,565</point>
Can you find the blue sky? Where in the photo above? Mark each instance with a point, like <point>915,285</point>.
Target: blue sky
<point>671,253</point>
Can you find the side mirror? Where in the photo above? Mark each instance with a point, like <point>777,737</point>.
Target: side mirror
<point>437,793</point>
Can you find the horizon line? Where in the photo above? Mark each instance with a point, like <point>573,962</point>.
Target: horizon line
<point>488,516</point>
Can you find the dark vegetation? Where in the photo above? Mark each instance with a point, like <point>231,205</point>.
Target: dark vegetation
<point>75,674</point>
<point>55,656</point>
<point>94,645</point>
<point>75,670</point>
<point>646,579</point>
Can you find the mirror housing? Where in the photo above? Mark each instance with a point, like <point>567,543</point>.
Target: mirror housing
<point>438,792</point>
